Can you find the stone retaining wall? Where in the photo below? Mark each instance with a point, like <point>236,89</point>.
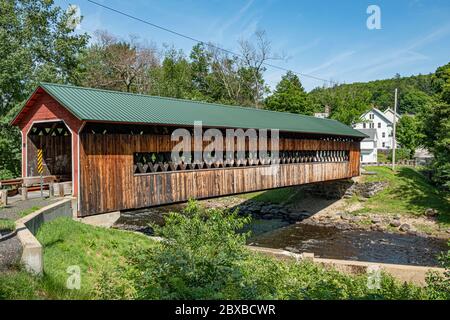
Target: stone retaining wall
<point>28,226</point>
<point>403,273</point>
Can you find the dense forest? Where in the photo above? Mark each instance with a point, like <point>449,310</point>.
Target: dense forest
<point>38,43</point>
<point>414,93</point>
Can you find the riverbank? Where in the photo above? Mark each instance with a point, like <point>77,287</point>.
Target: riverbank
<point>381,217</point>
<point>408,204</point>
<point>115,264</point>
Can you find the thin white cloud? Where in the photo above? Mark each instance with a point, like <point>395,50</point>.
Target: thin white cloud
<point>334,60</point>
<point>431,37</point>
<point>219,27</point>
<point>303,48</point>
<point>401,56</point>
<point>395,61</point>
<point>234,19</point>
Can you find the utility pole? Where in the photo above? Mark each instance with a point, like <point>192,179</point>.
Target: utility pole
<point>393,131</point>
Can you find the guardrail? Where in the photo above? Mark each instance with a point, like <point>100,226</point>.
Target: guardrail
<point>411,163</point>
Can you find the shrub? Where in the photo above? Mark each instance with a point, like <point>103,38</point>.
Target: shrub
<point>203,256</point>
<point>438,285</point>
<point>400,154</point>
<point>198,259</point>
<point>111,285</point>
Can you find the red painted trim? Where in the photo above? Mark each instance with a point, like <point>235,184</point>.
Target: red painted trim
<point>44,108</point>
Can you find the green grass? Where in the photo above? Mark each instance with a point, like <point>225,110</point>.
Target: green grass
<point>18,284</point>
<point>276,196</point>
<point>70,243</point>
<point>408,192</point>
<point>381,157</point>
<point>7,225</point>
<point>98,251</point>
<point>28,211</point>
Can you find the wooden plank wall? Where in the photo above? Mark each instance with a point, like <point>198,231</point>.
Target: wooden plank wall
<point>109,184</point>
<point>57,154</point>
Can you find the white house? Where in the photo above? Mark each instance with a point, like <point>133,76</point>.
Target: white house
<point>369,151</point>
<point>323,115</point>
<point>389,113</point>
<point>382,122</point>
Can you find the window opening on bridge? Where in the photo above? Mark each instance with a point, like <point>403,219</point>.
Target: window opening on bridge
<point>154,162</point>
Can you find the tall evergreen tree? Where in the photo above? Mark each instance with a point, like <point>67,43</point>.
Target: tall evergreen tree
<point>289,96</point>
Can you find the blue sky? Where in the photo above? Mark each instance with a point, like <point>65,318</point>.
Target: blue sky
<point>325,38</point>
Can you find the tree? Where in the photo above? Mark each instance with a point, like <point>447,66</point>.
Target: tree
<point>120,65</point>
<point>37,43</point>
<point>347,102</point>
<point>413,101</point>
<point>226,73</point>
<point>201,71</point>
<point>174,77</point>
<point>254,56</point>
<point>436,127</point>
<point>289,96</point>
<point>408,133</point>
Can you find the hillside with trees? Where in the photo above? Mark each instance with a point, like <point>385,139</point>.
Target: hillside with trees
<point>349,101</point>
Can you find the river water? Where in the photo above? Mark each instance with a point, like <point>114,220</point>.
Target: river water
<point>323,241</point>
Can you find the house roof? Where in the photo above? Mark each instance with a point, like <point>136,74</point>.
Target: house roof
<point>379,112</point>
<point>392,111</point>
<point>98,105</point>
<point>370,133</point>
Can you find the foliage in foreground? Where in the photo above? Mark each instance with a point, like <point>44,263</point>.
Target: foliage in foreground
<point>204,258</point>
<point>70,243</point>
<point>438,286</point>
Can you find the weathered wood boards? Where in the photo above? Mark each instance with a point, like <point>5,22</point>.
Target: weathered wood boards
<point>57,154</point>
<point>108,182</point>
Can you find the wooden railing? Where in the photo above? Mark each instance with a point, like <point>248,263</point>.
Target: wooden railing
<point>411,163</point>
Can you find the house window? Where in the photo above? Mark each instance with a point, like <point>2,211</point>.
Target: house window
<point>384,144</point>
<point>383,134</point>
<point>379,124</point>
<point>372,125</point>
<point>371,116</point>
<point>364,125</point>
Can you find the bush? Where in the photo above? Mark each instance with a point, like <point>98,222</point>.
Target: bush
<point>198,258</point>
<point>400,154</point>
<point>203,256</point>
<point>438,286</point>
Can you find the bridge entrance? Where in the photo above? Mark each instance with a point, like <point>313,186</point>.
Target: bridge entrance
<point>55,140</point>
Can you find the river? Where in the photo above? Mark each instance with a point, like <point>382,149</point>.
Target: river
<point>323,241</point>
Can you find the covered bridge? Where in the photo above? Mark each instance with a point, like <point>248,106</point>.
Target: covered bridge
<point>115,147</point>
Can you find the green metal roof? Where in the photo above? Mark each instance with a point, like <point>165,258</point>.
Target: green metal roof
<point>112,106</point>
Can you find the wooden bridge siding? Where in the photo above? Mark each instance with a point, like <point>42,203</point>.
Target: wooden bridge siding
<point>354,159</point>
<point>108,183</point>
<point>57,155</point>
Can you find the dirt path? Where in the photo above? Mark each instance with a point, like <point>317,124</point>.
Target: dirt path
<point>10,253</point>
<point>16,208</point>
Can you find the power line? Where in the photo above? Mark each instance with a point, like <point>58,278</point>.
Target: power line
<point>201,41</point>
